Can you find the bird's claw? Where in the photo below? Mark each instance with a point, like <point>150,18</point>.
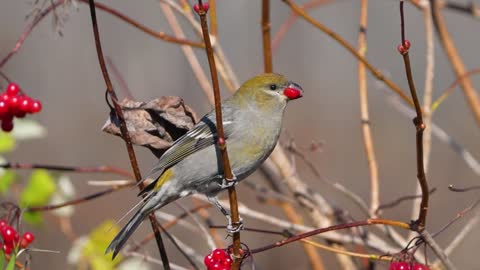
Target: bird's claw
<point>228,183</point>
<point>234,227</point>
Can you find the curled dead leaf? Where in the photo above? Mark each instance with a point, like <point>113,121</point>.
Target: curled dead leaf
<point>155,124</point>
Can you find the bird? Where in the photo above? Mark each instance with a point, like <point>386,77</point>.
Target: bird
<point>252,122</point>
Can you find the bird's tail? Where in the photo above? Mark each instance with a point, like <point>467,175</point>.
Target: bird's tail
<point>119,241</point>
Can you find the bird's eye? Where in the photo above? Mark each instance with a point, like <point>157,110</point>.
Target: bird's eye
<point>273,87</point>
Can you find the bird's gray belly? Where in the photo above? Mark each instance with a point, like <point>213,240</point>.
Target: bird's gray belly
<point>202,172</point>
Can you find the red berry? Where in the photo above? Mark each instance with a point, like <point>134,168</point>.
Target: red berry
<point>14,103</point>
<point>25,104</point>
<point>419,266</point>
<point>208,261</point>
<point>12,89</point>
<point>29,237</point>
<point>7,248</point>
<point>35,106</point>
<point>216,266</point>
<point>3,107</point>
<point>292,93</point>
<point>7,125</point>
<point>227,261</point>
<point>4,97</point>
<point>3,223</point>
<point>23,243</point>
<point>219,254</point>
<point>206,6</point>
<point>8,233</point>
<point>400,266</point>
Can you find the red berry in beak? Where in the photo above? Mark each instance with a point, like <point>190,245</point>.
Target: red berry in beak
<point>292,93</point>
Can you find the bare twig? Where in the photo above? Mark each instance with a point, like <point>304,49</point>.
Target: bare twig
<point>38,18</point>
<point>188,52</point>
<point>437,250</point>
<point>124,130</point>
<point>333,228</point>
<point>79,200</point>
<point>419,125</point>
<point>375,72</point>
<point>283,29</point>
<point>76,169</point>
<point>427,98</point>
<point>469,91</point>
<point>452,87</point>
<point>227,171</point>
<point>364,115</point>
<point>267,47</point>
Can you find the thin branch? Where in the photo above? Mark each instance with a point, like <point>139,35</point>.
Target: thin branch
<point>364,115</point>
<point>468,9</point>
<point>283,29</point>
<point>348,253</point>
<point>213,18</point>
<point>419,125</point>
<point>371,240</point>
<point>402,199</point>
<point>28,30</point>
<point>227,171</point>
<point>79,200</point>
<point>437,250</point>
<point>351,49</point>
<point>42,14</point>
<point>76,169</point>
<point>298,237</point>
<point>124,129</point>
<point>188,51</point>
<point>146,30</point>
<point>267,47</point>
<point>469,91</point>
<point>427,97</point>
<point>452,87</point>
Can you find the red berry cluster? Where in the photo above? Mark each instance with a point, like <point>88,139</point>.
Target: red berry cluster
<point>407,266</point>
<point>219,259</point>
<point>11,238</point>
<point>12,103</point>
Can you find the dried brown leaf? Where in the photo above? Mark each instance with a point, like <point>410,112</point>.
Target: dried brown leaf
<point>155,124</point>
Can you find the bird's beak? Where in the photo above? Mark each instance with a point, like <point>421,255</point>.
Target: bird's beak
<point>293,91</point>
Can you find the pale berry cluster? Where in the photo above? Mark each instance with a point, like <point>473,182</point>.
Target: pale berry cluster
<point>219,259</point>
<point>407,266</point>
<point>11,238</point>
<point>15,104</point>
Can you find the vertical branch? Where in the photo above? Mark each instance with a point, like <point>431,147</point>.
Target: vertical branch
<point>267,49</point>
<point>457,64</point>
<point>313,257</point>
<point>124,129</point>
<point>427,98</point>
<point>365,118</point>
<point>227,171</point>
<point>419,125</point>
<point>213,18</point>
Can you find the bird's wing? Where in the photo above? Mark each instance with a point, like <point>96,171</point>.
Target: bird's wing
<point>201,136</point>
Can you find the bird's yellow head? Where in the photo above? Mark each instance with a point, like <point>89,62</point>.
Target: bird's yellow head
<point>268,90</point>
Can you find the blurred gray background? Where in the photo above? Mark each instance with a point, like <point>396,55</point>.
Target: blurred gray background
<point>63,73</point>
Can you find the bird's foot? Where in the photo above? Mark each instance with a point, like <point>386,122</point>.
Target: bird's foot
<point>234,227</point>
<point>228,183</point>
